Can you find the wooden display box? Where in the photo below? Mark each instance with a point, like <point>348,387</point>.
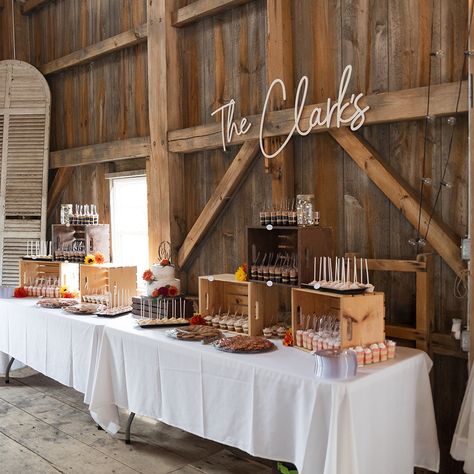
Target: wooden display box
<point>365,313</point>
<point>307,243</point>
<point>97,279</point>
<point>261,303</point>
<point>68,273</point>
<point>96,238</point>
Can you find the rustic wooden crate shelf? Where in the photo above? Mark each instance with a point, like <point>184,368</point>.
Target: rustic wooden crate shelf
<point>67,273</point>
<point>366,311</point>
<point>261,303</point>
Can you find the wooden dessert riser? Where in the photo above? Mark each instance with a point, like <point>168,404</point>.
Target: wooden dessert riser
<point>262,304</point>
<point>68,273</point>
<point>367,312</point>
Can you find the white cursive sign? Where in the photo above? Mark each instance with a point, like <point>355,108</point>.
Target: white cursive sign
<point>332,114</point>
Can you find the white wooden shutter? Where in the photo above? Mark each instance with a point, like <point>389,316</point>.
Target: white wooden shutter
<point>25,108</point>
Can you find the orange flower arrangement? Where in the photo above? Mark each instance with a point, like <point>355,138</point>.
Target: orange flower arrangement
<point>172,291</point>
<point>241,273</point>
<point>288,339</point>
<point>148,276</point>
<point>99,258</point>
<point>20,292</point>
<point>197,319</point>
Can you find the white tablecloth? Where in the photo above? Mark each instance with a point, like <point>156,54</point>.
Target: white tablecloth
<point>271,405</point>
<point>462,447</point>
<point>51,341</point>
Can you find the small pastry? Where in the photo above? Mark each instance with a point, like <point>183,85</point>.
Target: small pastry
<point>275,330</point>
<point>215,321</point>
<point>208,320</point>
<point>245,327</point>
<point>299,337</point>
<point>230,324</point>
<point>281,331</point>
<point>391,346</point>
<point>267,332</point>
<point>223,322</point>
<point>238,325</point>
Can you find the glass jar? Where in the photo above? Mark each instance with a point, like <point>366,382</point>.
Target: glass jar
<point>66,212</point>
<point>305,209</point>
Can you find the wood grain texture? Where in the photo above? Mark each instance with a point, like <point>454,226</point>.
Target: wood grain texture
<point>199,9</point>
<point>443,240</point>
<point>280,66</point>
<point>30,5</point>
<point>164,169</point>
<point>90,53</point>
<point>57,187</point>
<point>103,152</point>
<point>221,196</point>
<point>403,105</point>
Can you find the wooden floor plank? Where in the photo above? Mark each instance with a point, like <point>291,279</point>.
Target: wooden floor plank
<point>47,428</point>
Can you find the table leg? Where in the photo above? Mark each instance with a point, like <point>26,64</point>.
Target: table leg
<point>127,428</point>
<point>7,372</point>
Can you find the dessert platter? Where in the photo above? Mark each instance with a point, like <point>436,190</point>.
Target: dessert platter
<point>244,344</point>
<point>56,302</point>
<point>204,334</point>
<point>84,308</point>
<point>340,281</point>
<point>159,312</point>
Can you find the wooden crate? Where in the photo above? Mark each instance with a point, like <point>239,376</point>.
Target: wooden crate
<point>96,238</point>
<point>366,311</point>
<point>68,273</point>
<point>262,304</point>
<point>307,243</point>
<point>95,279</point>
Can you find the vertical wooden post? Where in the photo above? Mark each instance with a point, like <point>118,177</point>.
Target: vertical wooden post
<point>164,169</point>
<point>280,66</point>
<point>424,302</point>
<point>470,64</point>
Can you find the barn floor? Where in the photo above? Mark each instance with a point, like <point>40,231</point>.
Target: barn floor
<point>45,428</point>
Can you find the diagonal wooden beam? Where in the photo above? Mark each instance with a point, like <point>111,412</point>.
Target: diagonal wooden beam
<point>402,196</point>
<point>31,5</point>
<point>221,196</point>
<point>60,181</point>
<point>94,51</point>
<point>408,104</point>
<point>202,8</point>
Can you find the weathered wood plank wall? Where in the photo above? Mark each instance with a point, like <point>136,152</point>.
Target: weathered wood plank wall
<point>223,57</point>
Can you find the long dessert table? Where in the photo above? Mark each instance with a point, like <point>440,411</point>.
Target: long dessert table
<point>271,405</point>
<point>57,344</point>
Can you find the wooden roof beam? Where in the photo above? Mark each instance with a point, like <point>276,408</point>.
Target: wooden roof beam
<point>94,51</point>
<point>126,149</point>
<point>442,239</point>
<point>202,8</point>
<point>407,104</point>
<point>30,5</point>
<point>220,197</point>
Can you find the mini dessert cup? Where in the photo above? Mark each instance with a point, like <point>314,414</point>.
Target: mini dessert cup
<point>367,356</point>
<point>375,353</point>
<point>215,321</point>
<point>391,348</point>
<point>281,332</point>
<point>245,327</point>
<point>299,338</point>
<point>208,320</point>
<point>359,350</point>
<point>383,352</point>
<point>238,325</point>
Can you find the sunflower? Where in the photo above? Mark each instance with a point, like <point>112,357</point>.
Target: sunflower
<point>241,273</point>
<point>89,259</point>
<point>99,258</point>
<point>63,290</point>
